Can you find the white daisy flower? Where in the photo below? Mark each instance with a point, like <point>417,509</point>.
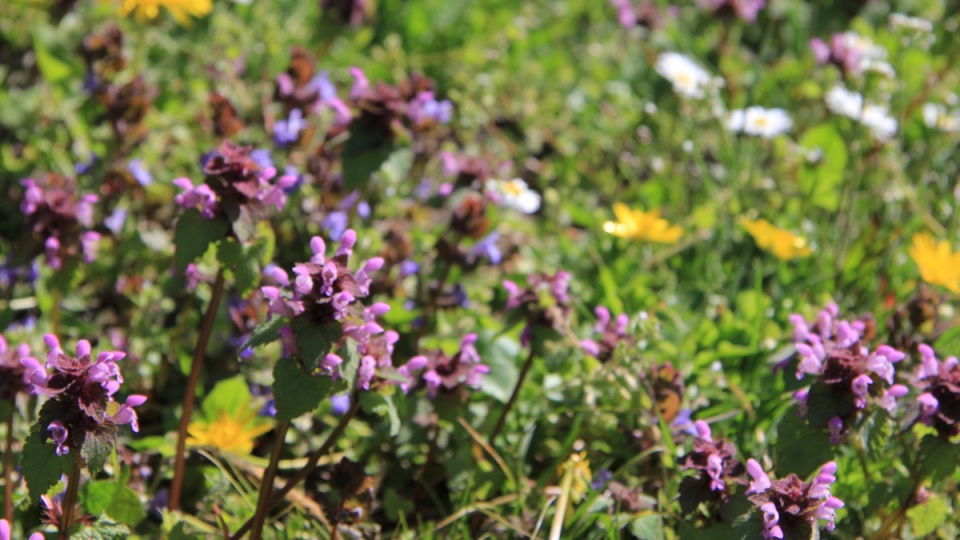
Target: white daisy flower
<point>686,76</point>
<point>851,104</point>
<point>514,194</point>
<point>936,116</point>
<point>766,123</point>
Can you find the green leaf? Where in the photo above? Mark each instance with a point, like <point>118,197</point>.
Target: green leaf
<point>228,395</point>
<point>825,404</point>
<point>929,516</point>
<point>242,264</point>
<point>382,405</point>
<point>104,528</point>
<point>800,449</point>
<point>315,341</point>
<point>178,533</point>
<point>502,356</point>
<point>97,446</point>
<point>821,181</point>
<point>364,152</point>
<point>297,392</point>
<point>40,464</point>
<point>53,69</point>
<point>116,500</point>
<point>193,237</point>
<point>647,527</point>
<point>267,332</point>
<point>938,458</point>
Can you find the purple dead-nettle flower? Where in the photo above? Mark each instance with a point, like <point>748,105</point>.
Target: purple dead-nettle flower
<point>743,9</point>
<point>718,470</point>
<point>425,109</point>
<point>6,531</point>
<point>612,332</point>
<point>327,98</point>
<point>545,302</point>
<point>326,291</point>
<point>139,172</point>
<point>14,377</point>
<point>851,53</point>
<point>60,220</point>
<point>832,350</point>
<point>81,390</point>
<point>235,185</point>
<point>439,371</point>
<point>939,384</point>
<point>361,85</point>
<point>792,504</point>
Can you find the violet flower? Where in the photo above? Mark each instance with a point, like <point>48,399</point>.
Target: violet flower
<point>81,390</point>
<point>612,333</point>
<point>939,384</point>
<point>14,377</point>
<point>791,502</point>
<point>439,371</point>
<point>743,9</point>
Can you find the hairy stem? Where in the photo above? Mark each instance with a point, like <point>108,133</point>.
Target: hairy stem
<point>199,352</point>
<point>266,486</point>
<point>310,465</point>
<point>8,471</point>
<point>70,500</point>
<point>513,397</point>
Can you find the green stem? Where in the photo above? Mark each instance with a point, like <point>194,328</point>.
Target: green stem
<point>190,396</point>
<point>310,465</point>
<point>70,500</point>
<point>266,487</point>
<point>8,471</point>
<point>513,396</point>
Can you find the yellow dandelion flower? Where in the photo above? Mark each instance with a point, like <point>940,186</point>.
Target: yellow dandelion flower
<point>181,10</point>
<point>232,433</point>
<point>782,243</point>
<point>938,263</point>
<point>640,225</point>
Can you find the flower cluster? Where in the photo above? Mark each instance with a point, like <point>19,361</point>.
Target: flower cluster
<point>847,371</point>
<point>851,53</point>
<point>718,466</point>
<point>59,219</point>
<point>13,375</point>
<point>235,186</point>
<point>325,291</point>
<point>790,504</point>
<point>939,383</point>
<point>545,301</point>
<point>874,116</point>
<point>81,390</point>
<point>612,333</point>
<point>438,370</point>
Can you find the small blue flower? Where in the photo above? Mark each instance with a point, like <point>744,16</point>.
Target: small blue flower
<point>139,172</point>
<point>286,132</point>
<point>340,404</point>
<point>487,247</point>
<point>261,156</point>
<point>115,221</point>
<point>335,224</point>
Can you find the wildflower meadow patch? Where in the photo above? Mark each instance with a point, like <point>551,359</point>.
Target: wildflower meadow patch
<point>421,269</point>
